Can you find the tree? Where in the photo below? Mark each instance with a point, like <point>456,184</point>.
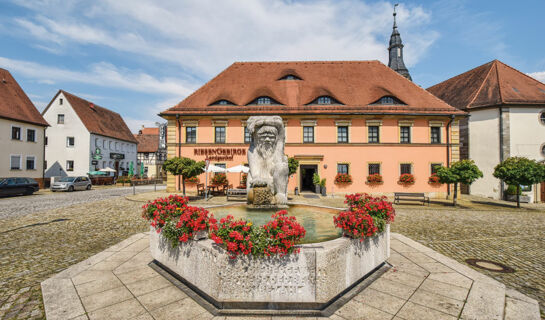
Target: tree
<point>463,171</point>
<point>293,164</point>
<point>185,167</point>
<point>519,171</point>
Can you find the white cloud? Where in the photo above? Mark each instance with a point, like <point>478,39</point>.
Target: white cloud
<point>540,75</point>
<point>205,36</point>
<point>99,74</point>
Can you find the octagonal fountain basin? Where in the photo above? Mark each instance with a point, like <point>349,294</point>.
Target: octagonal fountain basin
<point>323,275</point>
<point>317,221</point>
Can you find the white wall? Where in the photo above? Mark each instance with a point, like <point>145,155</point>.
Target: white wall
<point>56,152</point>
<point>527,135</point>
<point>21,147</point>
<point>123,147</point>
<point>484,149</point>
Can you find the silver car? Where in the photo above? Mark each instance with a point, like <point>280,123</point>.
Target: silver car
<point>71,184</point>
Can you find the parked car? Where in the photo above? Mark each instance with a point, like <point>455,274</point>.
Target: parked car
<point>15,186</point>
<point>71,184</point>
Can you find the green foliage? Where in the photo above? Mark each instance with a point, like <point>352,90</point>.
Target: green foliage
<point>322,183</point>
<point>293,164</point>
<point>316,179</point>
<point>512,190</point>
<point>518,171</point>
<point>463,171</point>
<point>185,167</point>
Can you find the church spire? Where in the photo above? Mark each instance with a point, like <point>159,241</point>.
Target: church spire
<point>396,51</point>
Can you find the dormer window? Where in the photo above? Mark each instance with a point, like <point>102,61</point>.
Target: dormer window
<point>264,100</point>
<point>223,102</point>
<point>388,100</point>
<point>325,100</point>
<point>290,77</point>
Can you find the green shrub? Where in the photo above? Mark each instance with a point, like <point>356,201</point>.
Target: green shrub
<point>512,190</point>
<point>316,179</point>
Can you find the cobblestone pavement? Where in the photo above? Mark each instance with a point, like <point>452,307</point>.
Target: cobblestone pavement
<point>37,245</point>
<point>21,205</point>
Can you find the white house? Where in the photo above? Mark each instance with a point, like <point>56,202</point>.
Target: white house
<point>506,119</point>
<point>22,131</point>
<point>84,137</point>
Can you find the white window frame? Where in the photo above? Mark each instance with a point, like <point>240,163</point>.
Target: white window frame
<point>35,138</point>
<point>26,159</point>
<point>68,142</point>
<point>20,133</point>
<point>11,161</point>
<point>73,165</point>
<point>63,118</point>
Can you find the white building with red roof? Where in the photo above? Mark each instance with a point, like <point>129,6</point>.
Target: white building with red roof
<point>22,131</point>
<point>85,137</point>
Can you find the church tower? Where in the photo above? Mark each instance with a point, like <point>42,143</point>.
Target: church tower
<point>396,51</point>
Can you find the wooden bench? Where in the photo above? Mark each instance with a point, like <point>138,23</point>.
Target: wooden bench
<point>236,194</point>
<point>407,196</point>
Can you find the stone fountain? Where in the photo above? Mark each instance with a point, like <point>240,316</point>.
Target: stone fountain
<point>267,180</point>
<point>315,282</point>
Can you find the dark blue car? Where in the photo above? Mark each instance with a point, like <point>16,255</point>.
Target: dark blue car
<point>16,186</point>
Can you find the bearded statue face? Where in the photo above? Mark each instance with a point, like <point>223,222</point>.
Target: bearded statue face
<point>267,137</point>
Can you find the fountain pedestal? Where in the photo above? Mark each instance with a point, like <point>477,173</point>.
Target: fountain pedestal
<point>262,198</point>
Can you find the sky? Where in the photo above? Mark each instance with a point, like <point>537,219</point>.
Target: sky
<point>140,57</point>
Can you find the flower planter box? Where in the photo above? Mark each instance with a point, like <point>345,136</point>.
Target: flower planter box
<point>308,280</point>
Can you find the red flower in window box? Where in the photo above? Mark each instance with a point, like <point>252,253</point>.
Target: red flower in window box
<point>374,178</point>
<point>193,180</point>
<point>406,178</point>
<point>343,178</point>
<point>434,179</point>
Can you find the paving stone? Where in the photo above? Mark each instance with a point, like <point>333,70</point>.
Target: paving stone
<point>396,289</point>
<point>137,275</point>
<point>128,309</point>
<point>161,297</point>
<point>444,289</point>
<point>105,282</point>
<point>485,301</point>
<point>136,262</point>
<point>91,275</point>
<point>151,284</point>
<point>518,309</point>
<point>435,267</point>
<point>61,299</point>
<point>453,278</point>
<point>418,257</point>
<point>379,300</point>
<point>437,302</point>
<point>413,311</point>
<point>106,298</point>
<point>183,309</point>
<point>354,310</point>
<point>404,277</point>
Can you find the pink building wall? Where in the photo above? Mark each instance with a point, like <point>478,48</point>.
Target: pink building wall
<point>326,152</point>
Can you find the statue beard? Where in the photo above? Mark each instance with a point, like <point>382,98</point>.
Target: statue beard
<point>265,150</point>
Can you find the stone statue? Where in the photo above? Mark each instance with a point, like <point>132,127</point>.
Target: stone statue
<point>267,161</point>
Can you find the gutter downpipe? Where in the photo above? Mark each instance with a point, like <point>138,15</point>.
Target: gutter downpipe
<point>449,124</point>
<point>179,145</point>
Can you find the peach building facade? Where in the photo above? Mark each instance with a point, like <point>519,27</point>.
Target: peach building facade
<point>355,117</point>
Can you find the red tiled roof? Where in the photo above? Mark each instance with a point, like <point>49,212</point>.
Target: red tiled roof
<point>99,120</point>
<point>492,84</point>
<point>149,131</point>
<point>15,104</point>
<point>148,142</point>
<point>355,84</point>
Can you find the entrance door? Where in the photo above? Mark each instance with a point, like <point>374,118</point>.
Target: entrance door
<point>543,192</point>
<point>307,171</point>
<point>116,165</point>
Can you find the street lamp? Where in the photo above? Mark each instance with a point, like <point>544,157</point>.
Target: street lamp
<point>207,163</point>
